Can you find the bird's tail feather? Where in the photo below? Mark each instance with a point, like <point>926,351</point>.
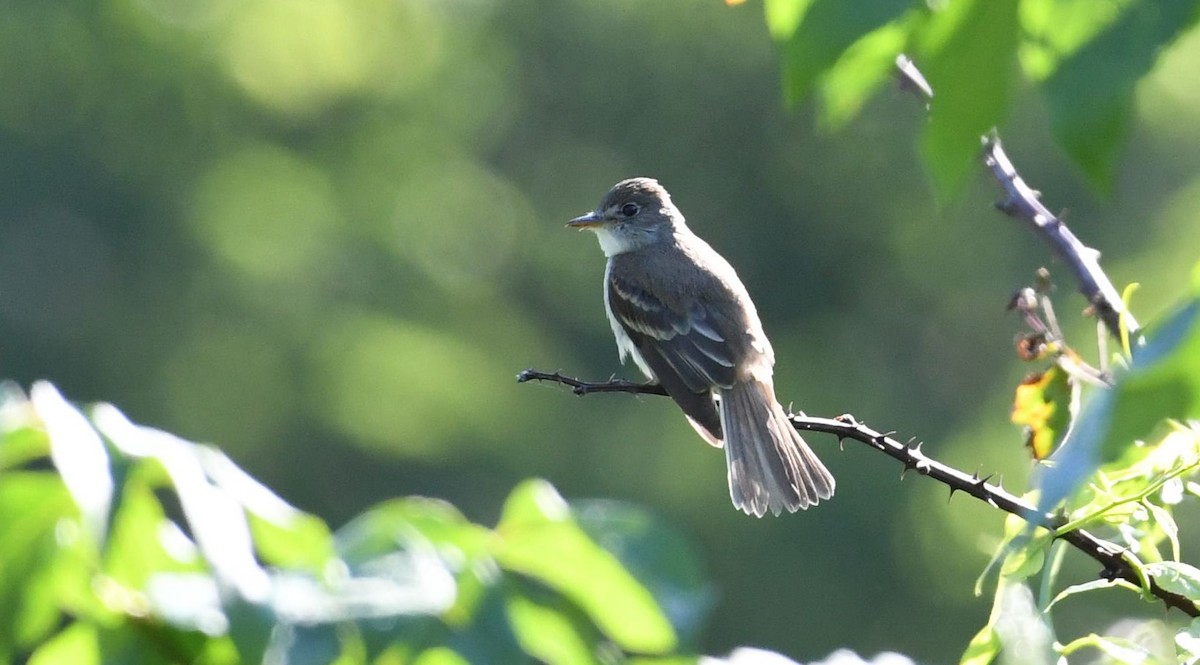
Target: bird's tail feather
<point>770,466</point>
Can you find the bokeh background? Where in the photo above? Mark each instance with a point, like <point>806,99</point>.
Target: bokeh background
<point>326,235</point>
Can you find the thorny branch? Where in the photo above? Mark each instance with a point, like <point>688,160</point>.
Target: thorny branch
<point>1110,556</point>
<point>1022,201</point>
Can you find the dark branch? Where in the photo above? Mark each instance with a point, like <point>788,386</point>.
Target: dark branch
<point>910,455</point>
<point>1021,201</point>
<point>613,385</point>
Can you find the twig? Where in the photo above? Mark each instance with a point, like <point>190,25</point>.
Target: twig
<point>1110,556</point>
<point>1021,201</point>
<point>613,385</point>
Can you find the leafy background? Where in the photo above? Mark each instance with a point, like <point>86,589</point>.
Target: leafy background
<point>327,235</point>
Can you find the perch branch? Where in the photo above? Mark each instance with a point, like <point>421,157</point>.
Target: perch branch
<point>1110,556</point>
<point>1022,201</point>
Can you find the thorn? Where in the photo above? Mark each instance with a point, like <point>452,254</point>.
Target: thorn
<point>953,489</point>
<point>980,482</point>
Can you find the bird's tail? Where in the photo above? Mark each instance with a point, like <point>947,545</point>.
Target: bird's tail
<point>770,466</point>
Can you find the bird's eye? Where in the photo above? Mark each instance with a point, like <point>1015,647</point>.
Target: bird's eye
<point>630,209</point>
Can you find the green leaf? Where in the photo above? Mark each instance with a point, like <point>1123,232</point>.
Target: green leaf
<point>967,51</point>
<point>1091,92</point>
<point>78,644</point>
<point>138,546</point>
<point>1176,577</point>
<point>283,536</point>
<point>813,34</point>
<point>1043,404</point>
<point>1188,642</point>
<point>1162,383</point>
<point>541,539</point>
<point>33,505</point>
<point>549,627</point>
<point>80,456</point>
<point>1092,585</point>
<point>983,647</point>
<point>860,70</point>
<point>659,556</point>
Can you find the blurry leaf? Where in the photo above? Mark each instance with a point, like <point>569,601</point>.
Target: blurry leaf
<point>755,656</point>
<point>489,637</point>
<point>967,51</point>
<point>862,67</point>
<point>136,549</point>
<point>543,541</point>
<point>1176,577</point>
<point>1165,522</point>
<point>1088,586</point>
<point>462,547</point>
<point>380,529</point>
<point>214,517</point>
<point>301,541</point>
<point>1119,650</point>
<point>1025,637</point>
<point>666,660</point>
<point>1015,630</point>
<point>188,601</point>
<point>983,647</point>
<point>1091,92</point>
<point>1187,641</point>
<point>283,535</point>
<point>32,504</point>
<point>1043,405</point>
<point>813,34</point>
<point>78,644</point>
<point>79,454</point>
<point>1162,383</point>
<point>549,627</point>
<point>440,656</point>
<point>304,645</point>
<point>658,555</point>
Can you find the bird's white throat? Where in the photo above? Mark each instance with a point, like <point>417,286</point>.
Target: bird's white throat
<point>613,242</point>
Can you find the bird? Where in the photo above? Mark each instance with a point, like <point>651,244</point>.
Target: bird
<point>679,310</point>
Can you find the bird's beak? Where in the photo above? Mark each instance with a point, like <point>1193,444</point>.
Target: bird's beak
<point>586,221</point>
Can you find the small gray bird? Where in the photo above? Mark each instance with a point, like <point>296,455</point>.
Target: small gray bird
<point>678,308</point>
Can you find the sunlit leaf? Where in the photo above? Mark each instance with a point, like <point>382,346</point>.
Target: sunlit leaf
<point>1188,642</point>
<point>1091,585</point>
<point>658,555</point>
<point>32,505</point>
<point>549,627</point>
<point>967,51</point>
<point>79,454</point>
<point>983,647</point>
<point>1043,405</point>
<point>813,34</point>
<point>1162,383</point>
<point>542,540</point>
<point>1166,522</point>
<point>77,645</point>
<point>862,68</point>
<point>1091,92</point>
<point>1176,577</point>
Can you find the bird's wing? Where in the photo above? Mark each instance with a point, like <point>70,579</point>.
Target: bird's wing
<point>686,350</point>
<point>691,343</point>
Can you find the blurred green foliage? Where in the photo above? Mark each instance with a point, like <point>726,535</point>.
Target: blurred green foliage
<point>327,234</point>
<point>101,573</point>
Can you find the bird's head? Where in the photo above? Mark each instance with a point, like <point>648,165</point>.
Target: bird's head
<point>634,213</point>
